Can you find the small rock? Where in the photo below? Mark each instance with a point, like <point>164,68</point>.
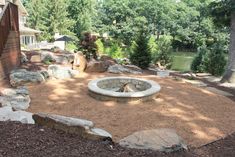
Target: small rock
<point>164,140</point>
<point>23,58</point>
<point>97,134</point>
<point>60,72</point>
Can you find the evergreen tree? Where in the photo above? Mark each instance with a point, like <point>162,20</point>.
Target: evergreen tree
<point>49,16</point>
<point>141,55</point>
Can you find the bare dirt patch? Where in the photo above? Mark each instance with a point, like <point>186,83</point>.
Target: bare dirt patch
<point>199,116</point>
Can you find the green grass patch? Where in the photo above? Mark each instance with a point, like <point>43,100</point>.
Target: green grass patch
<point>182,60</point>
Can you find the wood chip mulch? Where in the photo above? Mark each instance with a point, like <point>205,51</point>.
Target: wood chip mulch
<point>33,141</point>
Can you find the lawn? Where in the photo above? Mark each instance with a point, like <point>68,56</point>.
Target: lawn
<point>182,60</point>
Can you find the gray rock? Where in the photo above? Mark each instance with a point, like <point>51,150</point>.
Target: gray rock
<point>67,124</point>
<point>97,134</point>
<point>60,72</point>
<point>64,58</point>
<point>118,69</point>
<point>165,140</point>
<point>23,58</point>
<point>22,76</point>
<point>7,114</point>
<point>18,98</point>
<point>47,56</point>
<point>163,73</point>
<point>219,92</point>
<point>81,127</point>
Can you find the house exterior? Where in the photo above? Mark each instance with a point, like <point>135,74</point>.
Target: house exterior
<point>27,35</point>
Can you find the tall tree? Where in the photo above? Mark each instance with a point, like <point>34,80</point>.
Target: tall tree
<point>49,16</point>
<point>83,12</point>
<point>224,12</point>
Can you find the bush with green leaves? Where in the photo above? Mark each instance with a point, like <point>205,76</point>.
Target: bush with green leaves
<point>198,61</point>
<point>100,46</point>
<point>115,51</point>
<point>215,60</point>
<point>210,59</point>
<point>162,54</point>
<point>141,54</point>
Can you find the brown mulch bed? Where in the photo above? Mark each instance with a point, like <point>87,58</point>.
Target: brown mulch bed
<point>32,140</point>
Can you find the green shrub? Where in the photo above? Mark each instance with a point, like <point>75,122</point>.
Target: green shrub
<point>210,59</point>
<point>215,60</point>
<point>153,47</point>
<point>198,61</point>
<point>162,55</point>
<point>141,55</point>
<point>115,51</point>
<point>70,46</point>
<point>100,46</point>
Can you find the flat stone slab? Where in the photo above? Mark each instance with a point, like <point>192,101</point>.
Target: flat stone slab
<point>164,140</point>
<point>196,83</point>
<point>219,92</point>
<point>61,72</point>
<point>7,114</point>
<point>82,127</point>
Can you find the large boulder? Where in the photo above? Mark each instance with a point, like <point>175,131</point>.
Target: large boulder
<point>80,62</point>
<point>165,140</point>
<point>18,98</point>
<point>96,66</point>
<point>82,127</point>
<point>22,76</point>
<point>61,72</point>
<point>133,68</point>
<point>47,56</point>
<point>7,114</point>
<point>66,58</point>
<point>108,61</point>
<point>118,69</point>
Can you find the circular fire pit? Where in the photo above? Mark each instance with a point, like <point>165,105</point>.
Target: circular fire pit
<point>123,89</point>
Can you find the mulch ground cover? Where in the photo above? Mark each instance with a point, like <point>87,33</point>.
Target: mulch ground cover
<point>32,141</point>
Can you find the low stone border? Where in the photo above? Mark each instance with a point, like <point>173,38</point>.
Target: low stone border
<point>82,127</point>
<point>99,89</point>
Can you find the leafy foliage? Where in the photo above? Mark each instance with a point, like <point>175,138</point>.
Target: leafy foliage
<point>215,60</point>
<point>88,45</point>
<point>141,55</point>
<point>198,61</point>
<point>162,52</point>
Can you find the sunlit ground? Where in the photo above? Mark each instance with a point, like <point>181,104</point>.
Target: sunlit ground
<point>197,115</point>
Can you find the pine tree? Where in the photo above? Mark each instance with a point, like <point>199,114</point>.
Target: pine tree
<point>49,16</point>
<point>141,55</point>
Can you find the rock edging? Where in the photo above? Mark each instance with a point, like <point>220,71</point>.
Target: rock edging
<point>82,127</point>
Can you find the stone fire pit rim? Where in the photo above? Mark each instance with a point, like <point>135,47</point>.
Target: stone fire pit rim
<point>93,87</point>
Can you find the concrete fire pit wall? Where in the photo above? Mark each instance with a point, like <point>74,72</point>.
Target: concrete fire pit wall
<point>105,89</point>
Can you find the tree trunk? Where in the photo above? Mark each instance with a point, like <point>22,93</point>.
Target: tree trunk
<point>229,75</point>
